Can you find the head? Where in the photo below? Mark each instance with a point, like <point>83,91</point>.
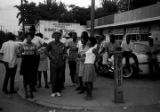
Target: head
<point>29,37</point>
<point>112,38</point>
<point>57,36</point>
<point>32,29</point>
<point>39,35</point>
<point>91,42</point>
<point>11,36</point>
<point>151,42</point>
<point>74,36</point>
<point>84,37</point>
<point>99,38</point>
<point>128,39</point>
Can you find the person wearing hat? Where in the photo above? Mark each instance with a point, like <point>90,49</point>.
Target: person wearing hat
<point>56,52</point>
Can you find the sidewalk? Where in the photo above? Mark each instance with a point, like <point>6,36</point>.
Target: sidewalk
<point>136,93</point>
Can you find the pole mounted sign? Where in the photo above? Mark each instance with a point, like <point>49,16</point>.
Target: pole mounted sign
<point>118,87</point>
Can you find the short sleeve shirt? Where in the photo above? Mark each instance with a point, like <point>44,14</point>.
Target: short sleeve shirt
<point>73,51</point>
<point>57,51</point>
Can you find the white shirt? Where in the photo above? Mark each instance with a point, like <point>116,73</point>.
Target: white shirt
<point>37,41</point>
<point>90,56</point>
<point>127,47</point>
<point>9,50</point>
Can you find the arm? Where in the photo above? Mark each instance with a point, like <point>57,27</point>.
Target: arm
<point>47,52</point>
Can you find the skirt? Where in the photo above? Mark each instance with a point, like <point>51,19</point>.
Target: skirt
<point>89,73</point>
<point>43,65</point>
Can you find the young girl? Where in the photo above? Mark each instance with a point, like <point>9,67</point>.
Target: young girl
<point>43,67</point>
<point>82,48</point>
<point>89,69</point>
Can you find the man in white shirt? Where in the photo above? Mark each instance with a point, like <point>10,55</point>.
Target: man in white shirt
<point>9,52</point>
<point>127,48</point>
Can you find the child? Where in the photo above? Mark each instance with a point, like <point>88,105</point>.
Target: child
<point>43,67</point>
<point>89,69</point>
<point>82,48</point>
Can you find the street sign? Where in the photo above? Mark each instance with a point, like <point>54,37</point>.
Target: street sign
<point>118,86</point>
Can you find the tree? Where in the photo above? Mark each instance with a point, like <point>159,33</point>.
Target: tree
<point>125,5</point>
<point>108,7</point>
<point>27,11</point>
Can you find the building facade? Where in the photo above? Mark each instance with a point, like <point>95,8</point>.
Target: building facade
<point>138,24</point>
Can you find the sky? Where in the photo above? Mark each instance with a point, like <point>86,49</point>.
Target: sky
<point>8,20</point>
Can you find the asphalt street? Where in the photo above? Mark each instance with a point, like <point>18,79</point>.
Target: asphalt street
<point>14,103</point>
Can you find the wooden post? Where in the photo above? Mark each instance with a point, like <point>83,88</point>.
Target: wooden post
<point>118,87</point>
<point>92,16</point>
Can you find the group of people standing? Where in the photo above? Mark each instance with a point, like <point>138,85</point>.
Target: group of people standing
<point>82,56</point>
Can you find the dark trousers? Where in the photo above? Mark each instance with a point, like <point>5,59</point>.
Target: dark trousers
<point>45,77</point>
<point>37,59</point>
<point>72,67</point>
<point>89,88</point>
<point>28,81</point>
<point>127,55</point>
<point>10,74</point>
<point>153,66</point>
<point>57,77</point>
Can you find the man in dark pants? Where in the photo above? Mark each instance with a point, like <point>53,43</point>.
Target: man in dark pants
<point>128,47</point>
<point>73,53</point>
<point>152,53</point>
<point>9,51</point>
<point>56,52</point>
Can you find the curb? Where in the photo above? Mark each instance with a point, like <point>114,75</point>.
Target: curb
<point>58,106</point>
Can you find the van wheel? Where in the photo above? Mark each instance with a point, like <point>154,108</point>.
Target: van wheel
<point>127,72</point>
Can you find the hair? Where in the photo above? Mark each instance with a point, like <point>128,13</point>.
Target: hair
<point>32,29</point>
<point>70,34</point>
<point>39,35</point>
<point>85,35</point>
<point>56,32</point>
<point>93,41</point>
<point>28,33</point>
<point>112,37</point>
<point>11,36</point>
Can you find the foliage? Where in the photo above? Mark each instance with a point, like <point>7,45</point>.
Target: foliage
<point>108,7</point>
<point>125,5</point>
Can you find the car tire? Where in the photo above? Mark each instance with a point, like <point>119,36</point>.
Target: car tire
<point>126,73</point>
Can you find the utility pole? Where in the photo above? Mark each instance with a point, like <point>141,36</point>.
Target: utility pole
<point>129,4</point>
<point>92,16</point>
<point>22,14</point>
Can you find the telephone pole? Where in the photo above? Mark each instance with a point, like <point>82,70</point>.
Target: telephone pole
<point>22,14</point>
<point>92,16</point>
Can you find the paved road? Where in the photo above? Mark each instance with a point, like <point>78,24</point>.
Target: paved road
<point>14,103</point>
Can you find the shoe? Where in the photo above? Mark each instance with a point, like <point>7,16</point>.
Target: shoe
<point>46,86</point>
<point>81,91</point>
<point>39,86</point>
<point>72,84</point>
<point>34,90</point>
<point>31,95</point>
<point>5,91</point>
<point>53,94</point>
<point>58,94</point>
<point>88,98</point>
<point>1,109</point>
<point>78,88</point>
<point>13,92</point>
<point>26,95</point>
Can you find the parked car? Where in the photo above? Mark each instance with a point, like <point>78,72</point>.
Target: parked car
<point>140,51</point>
